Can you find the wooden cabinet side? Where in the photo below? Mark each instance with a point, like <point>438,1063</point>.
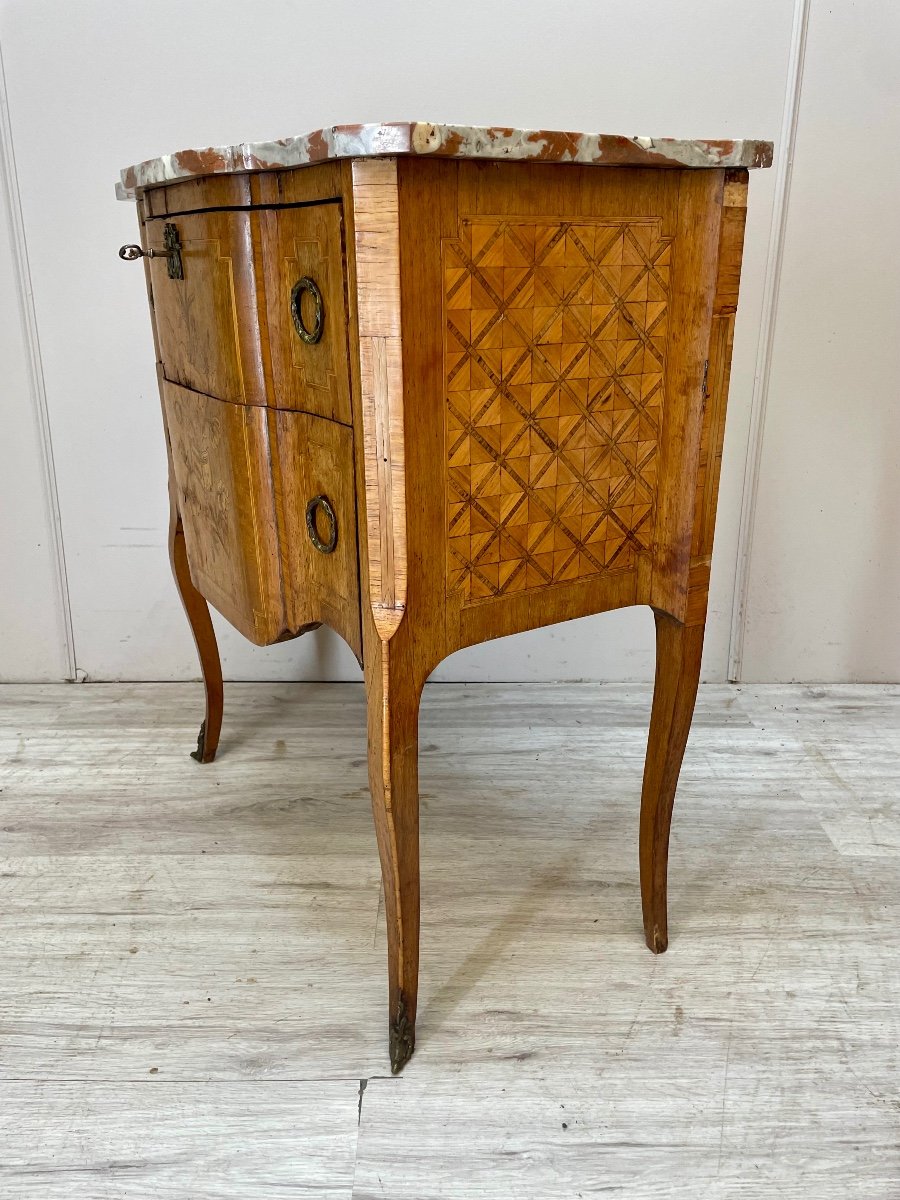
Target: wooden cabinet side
<point>718,377</point>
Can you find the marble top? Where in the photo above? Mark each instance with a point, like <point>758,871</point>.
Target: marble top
<point>443,141</point>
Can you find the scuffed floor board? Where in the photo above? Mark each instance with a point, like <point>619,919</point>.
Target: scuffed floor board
<point>194,961</point>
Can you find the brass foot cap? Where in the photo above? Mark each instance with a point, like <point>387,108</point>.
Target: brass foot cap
<point>200,753</point>
<point>401,1037</point>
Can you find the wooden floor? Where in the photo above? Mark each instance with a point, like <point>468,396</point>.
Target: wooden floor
<point>193,985</point>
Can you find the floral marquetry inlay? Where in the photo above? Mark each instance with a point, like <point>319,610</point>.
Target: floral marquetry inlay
<point>555,348</point>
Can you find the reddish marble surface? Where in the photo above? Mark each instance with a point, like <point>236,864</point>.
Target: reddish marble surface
<point>443,141</point>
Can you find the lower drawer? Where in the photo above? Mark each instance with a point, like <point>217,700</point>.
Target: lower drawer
<point>268,504</point>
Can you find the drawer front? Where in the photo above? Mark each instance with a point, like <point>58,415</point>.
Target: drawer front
<point>314,458</point>
<point>207,322</point>
<point>191,195</point>
<point>306,309</point>
<point>220,458</point>
<point>246,478</point>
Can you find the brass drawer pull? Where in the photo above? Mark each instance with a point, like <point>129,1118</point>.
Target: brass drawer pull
<point>172,252</point>
<point>317,502</point>
<point>310,336</point>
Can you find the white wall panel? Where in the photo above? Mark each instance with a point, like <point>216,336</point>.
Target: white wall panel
<point>824,597</point>
<point>102,83</point>
<point>32,627</point>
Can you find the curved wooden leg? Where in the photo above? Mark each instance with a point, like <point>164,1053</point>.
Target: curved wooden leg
<point>393,692</point>
<point>204,638</point>
<point>678,651</point>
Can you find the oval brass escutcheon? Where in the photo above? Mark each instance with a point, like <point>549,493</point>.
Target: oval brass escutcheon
<point>310,336</point>
<point>326,546</point>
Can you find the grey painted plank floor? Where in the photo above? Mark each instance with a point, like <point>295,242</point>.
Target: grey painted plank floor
<point>193,985</point>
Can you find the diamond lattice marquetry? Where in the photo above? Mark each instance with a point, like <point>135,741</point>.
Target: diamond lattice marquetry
<point>555,351</point>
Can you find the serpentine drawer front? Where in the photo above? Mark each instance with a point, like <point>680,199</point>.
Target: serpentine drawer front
<point>430,385</point>
<point>207,322</point>
<point>267,504</point>
<point>211,322</point>
<point>306,309</point>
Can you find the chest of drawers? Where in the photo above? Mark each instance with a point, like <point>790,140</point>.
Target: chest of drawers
<point>431,385</point>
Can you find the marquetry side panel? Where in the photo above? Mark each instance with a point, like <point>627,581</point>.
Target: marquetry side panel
<point>207,323</point>
<point>220,458</point>
<point>376,231</point>
<point>555,341</point>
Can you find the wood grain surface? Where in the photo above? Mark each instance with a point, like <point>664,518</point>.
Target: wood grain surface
<point>315,458</point>
<point>376,233</point>
<point>221,458</point>
<point>307,242</point>
<point>193,958</point>
<point>79,1139</point>
<point>197,612</point>
<point>207,323</point>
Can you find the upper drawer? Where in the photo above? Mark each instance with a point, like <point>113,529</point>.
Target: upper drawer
<point>306,308</point>
<point>207,322</point>
<point>273,274</point>
<point>192,195</point>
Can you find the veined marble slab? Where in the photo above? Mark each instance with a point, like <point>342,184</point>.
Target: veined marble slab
<point>443,141</point>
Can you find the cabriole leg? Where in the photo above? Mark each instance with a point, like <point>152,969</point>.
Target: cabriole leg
<point>678,651</point>
<point>393,693</point>
<point>204,638</point>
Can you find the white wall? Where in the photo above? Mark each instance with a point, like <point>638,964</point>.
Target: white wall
<point>98,84</point>
<point>824,596</point>
<point>32,627</point>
